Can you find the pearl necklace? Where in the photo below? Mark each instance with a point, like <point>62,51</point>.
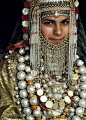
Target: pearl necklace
<point>50,96</point>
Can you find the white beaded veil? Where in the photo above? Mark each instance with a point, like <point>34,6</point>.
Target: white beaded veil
<point>38,10</point>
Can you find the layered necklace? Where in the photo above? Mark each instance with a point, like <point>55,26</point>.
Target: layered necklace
<point>50,97</point>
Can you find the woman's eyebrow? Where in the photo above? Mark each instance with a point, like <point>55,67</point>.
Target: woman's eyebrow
<point>65,19</point>
<point>50,20</point>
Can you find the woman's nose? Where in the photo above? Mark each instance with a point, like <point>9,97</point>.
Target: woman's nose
<point>57,30</point>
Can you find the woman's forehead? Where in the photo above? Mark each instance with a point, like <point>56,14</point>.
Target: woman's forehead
<point>62,17</point>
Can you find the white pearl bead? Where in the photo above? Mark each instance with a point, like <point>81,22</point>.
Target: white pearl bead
<point>21,75</point>
<point>21,66</point>
<point>37,113</point>
<point>22,84</point>
<point>16,87</point>
<point>43,98</point>
<point>21,59</point>
<point>79,111</point>
<point>83,86</point>
<point>9,61</point>
<point>17,96</point>
<point>29,77</point>
<point>27,111</point>
<point>20,109</point>
<point>27,48</point>
<point>10,51</point>
<point>77,57</point>
<point>83,78</point>
<point>80,62</point>
<point>49,104</point>
<point>30,117</point>
<point>67,99</point>
<point>76,118</point>
<point>23,93</point>
<point>21,51</point>
<point>50,83</point>
<point>37,85</point>
<point>45,86</point>
<point>25,102</point>
<point>58,96</point>
<point>83,94</point>
<point>9,67</point>
<point>82,103</point>
<point>18,102</point>
<point>11,74</point>
<point>76,98</point>
<point>6,56</point>
<point>70,93</point>
<point>27,69</point>
<point>39,92</point>
<point>82,69</point>
<point>31,89</point>
<point>27,57</point>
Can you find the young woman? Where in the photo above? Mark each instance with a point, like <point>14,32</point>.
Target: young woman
<point>44,77</point>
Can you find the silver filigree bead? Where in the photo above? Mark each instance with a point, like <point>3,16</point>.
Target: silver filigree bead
<point>21,75</point>
<point>27,57</point>
<point>21,66</point>
<point>29,77</point>
<point>23,93</point>
<point>82,103</point>
<point>21,51</point>
<point>31,89</point>
<point>27,111</point>
<point>21,59</point>
<point>22,84</point>
<point>30,117</point>
<point>37,113</point>
<point>25,102</point>
<point>79,111</point>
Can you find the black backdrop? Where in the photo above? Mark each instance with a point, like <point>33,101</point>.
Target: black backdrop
<point>9,13</point>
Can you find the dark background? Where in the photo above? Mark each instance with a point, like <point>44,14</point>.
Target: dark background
<point>10,10</point>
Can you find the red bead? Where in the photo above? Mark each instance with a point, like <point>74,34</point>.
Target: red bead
<point>24,17</point>
<point>54,77</point>
<point>65,76</point>
<point>60,80</point>
<point>27,4</point>
<point>25,30</point>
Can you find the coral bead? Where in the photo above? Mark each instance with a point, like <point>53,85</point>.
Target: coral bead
<point>58,116</point>
<point>30,83</point>
<point>38,118</point>
<point>52,87</point>
<point>31,95</point>
<point>34,107</point>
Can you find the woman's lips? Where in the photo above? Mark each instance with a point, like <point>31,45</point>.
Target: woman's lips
<point>56,40</point>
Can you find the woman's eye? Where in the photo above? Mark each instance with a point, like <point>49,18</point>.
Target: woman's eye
<point>47,23</point>
<point>65,22</point>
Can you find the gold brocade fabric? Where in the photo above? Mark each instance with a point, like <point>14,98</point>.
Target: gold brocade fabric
<point>9,110</point>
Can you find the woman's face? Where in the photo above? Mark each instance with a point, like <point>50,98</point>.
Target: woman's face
<point>55,29</point>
